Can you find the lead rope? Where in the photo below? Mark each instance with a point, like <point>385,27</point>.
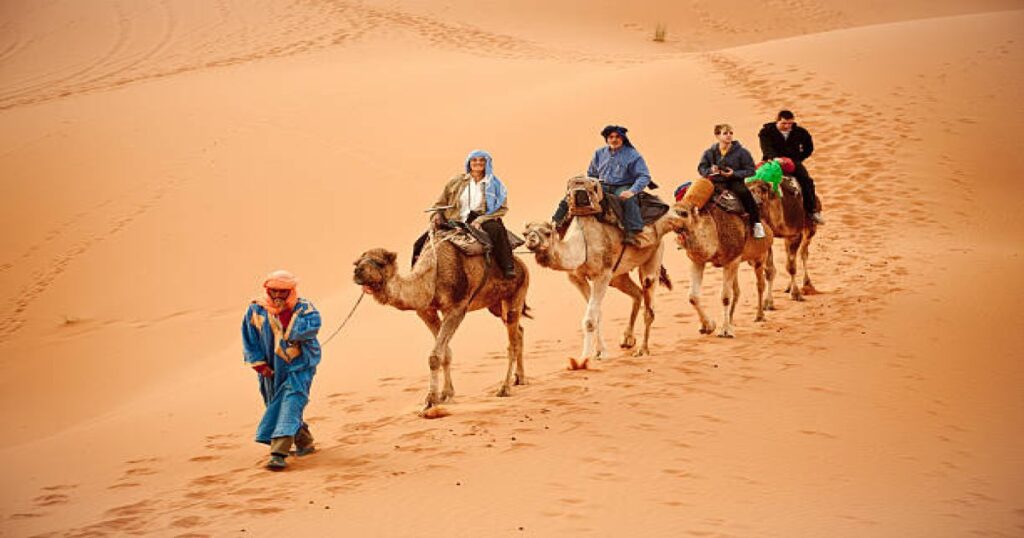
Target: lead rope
<point>348,317</point>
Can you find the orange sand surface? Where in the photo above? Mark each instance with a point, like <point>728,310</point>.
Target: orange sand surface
<point>159,157</point>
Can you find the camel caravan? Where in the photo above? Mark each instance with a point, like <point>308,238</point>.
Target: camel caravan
<point>607,232</point>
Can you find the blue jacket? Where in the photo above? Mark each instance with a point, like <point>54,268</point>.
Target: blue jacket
<point>293,352</point>
<point>623,167</point>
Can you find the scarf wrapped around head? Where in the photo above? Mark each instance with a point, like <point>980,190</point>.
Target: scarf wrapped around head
<point>280,280</point>
<point>609,129</point>
<point>495,191</point>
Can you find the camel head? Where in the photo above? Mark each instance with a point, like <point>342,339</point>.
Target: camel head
<point>539,236</point>
<point>687,217</point>
<point>374,268</point>
<point>762,192</point>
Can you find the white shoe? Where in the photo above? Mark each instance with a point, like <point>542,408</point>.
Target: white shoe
<point>817,218</point>
<point>758,230</point>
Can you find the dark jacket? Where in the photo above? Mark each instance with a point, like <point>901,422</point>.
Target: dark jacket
<point>798,146</point>
<point>737,158</point>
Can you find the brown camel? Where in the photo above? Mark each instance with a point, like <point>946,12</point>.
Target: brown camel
<point>589,253</point>
<point>786,217</point>
<point>723,239</point>
<point>444,285</point>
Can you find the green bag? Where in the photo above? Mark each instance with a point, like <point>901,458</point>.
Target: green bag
<point>769,172</point>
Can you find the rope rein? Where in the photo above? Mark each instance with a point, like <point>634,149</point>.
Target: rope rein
<point>345,322</point>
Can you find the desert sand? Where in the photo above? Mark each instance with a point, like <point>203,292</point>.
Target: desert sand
<point>158,158</point>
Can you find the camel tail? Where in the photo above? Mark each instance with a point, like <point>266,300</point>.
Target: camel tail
<point>526,311</point>
<point>664,279</point>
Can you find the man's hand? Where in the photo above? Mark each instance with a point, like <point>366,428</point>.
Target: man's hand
<point>725,172</point>
<point>263,370</point>
<point>627,194</point>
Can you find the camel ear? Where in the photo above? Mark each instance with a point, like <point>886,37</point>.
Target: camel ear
<point>390,257</point>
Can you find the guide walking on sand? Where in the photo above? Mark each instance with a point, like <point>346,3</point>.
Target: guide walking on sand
<point>279,339</point>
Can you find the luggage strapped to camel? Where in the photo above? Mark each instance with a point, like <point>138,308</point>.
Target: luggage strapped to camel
<point>586,197</point>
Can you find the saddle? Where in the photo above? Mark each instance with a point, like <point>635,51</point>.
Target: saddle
<point>702,191</point>
<point>728,202</point>
<point>585,197</point>
<point>473,241</point>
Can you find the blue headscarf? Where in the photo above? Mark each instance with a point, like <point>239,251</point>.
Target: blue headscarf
<point>495,192</point>
<point>609,129</point>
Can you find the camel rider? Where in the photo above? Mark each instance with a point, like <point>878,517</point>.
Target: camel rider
<point>478,198</point>
<point>727,164</point>
<point>784,138</point>
<point>623,173</point>
<point>279,342</point>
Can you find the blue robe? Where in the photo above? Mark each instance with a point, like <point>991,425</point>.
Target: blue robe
<point>293,352</point>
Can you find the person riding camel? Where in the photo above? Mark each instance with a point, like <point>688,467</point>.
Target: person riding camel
<point>727,163</point>
<point>623,173</point>
<point>478,198</point>
<point>784,138</point>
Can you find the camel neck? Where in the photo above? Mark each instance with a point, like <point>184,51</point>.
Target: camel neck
<point>412,292</point>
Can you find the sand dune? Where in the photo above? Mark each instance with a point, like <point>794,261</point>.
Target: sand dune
<point>160,157</point>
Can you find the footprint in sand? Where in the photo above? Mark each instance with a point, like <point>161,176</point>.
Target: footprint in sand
<point>187,521</point>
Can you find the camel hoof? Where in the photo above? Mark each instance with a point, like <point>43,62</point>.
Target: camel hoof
<point>759,318</point>
<point>726,335</point>
<point>573,365</point>
<point>434,412</point>
<point>642,352</point>
<point>447,396</point>
<point>809,289</point>
<point>520,379</point>
<point>798,297</point>
<point>503,392</point>
<point>770,307</point>
<point>708,329</point>
<point>628,341</point>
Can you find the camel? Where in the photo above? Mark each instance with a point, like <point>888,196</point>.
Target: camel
<point>592,254</point>
<point>786,217</point>
<point>442,288</point>
<point>723,239</point>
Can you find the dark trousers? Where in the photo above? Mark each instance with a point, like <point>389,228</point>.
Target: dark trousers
<point>806,187</point>
<point>501,249</point>
<point>739,188</point>
<point>630,208</point>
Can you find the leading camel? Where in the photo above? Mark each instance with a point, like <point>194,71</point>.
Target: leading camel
<point>592,254</point>
<point>444,286</point>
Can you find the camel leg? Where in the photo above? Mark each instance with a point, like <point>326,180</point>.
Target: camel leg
<point>792,247</point>
<point>805,247</point>
<point>592,317</point>
<point>626,285</point>
<point>515,349</point>
<point>433,322</point>
<point>449,325</point>
<point>769,273</point>
<point>729,288</point>
<point>581,284</point>
<point>649,272</point>
<point>759,271</point>
<point>707,325</point>
<point>648,290</point>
